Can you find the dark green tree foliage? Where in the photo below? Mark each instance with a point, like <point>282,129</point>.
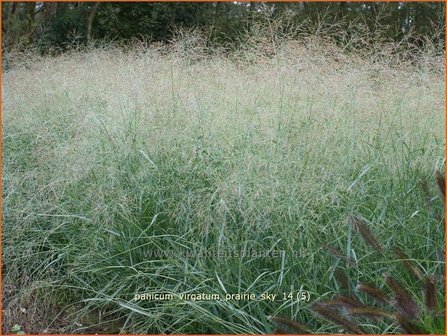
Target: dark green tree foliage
<point>153,20</point>
<point>67,25</point>
<point>59,25</point>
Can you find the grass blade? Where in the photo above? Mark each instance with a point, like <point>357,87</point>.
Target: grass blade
<point>409,326</point>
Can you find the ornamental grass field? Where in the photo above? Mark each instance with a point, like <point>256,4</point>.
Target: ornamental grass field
<point>184,173</point>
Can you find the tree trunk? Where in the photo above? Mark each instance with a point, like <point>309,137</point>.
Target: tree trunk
<point>30,8</point>
<point>9,36</point>
<point>49,11</point>
<point>90,19</point>
<point>216,12</point>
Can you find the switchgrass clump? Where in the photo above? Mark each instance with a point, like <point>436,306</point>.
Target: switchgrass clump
<point>122,169</point>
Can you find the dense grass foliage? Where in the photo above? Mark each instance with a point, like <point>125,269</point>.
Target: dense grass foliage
<point>109,156</point>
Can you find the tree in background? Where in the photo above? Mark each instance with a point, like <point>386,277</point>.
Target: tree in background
<point>58,26</point>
